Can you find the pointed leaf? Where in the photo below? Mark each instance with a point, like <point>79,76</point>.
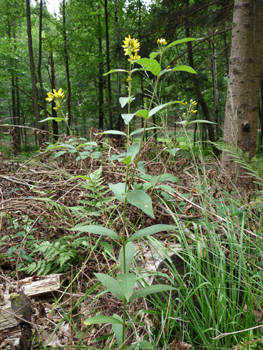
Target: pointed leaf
<point>127,118</point>
<point>127,160</point>
<point>168,177</point>
<point>97,230</point>
<point>151,289</point>
<point>118,190</point>
<point>151,230</point>
<point>141,200</point>
<point>58,154</point>
<point>154,54</point>
<point>144,344</point>
<point>117,329</point>
<point>158,108</point>
<point>102,319</point>
<point>173,151</point>
<point>113,132</point>
<point>115,71</point>
<point>133,150</point>
<point>138,131</point>
<point>111,284</point>
<point>142,113</point>
<point>129,254</point>
<point>150,64</point>
<point>125,100</point>
<point>180,41</point>
<point>126,283</point>
<point>184,69</point>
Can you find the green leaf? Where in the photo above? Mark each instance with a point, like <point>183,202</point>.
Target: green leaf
<point>111,284</point>
<point>117,329</point>
<point>97,230</point>
<point>180,41</point>
<point>96,155</point>
<point>126,283</point>
<point>151,230</point>
<point>129,254</point>
<point>133,150</point>
<point>138,131</point>
<point>141,200</point>
<point>151,289</point>
<point>127,118</point>
<point>150,64</point>
<point>142,113</point>
<point>184,69</point>
<point>154,54</point>
<point>168,177</point>
<point>57,119</point>
<point>58,154</point>
<point>166,188</point>
<point>113,132</point>
<point>118,156</point>
<point>173,151</point>
<point>144,344</point>
<point>127,160</point>
<point>87,144</point>
<point>118,190</point>
<point>125,100</point>
<point>115,71</point>
<point>102,319</point>
<point>158,108</point>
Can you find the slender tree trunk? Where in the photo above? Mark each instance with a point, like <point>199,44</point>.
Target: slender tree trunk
<point>241,113</point>
<point>39,66</point>
<point>108,65</point>
<point>214,76</point>
<point>199,94</point>
<point>261,111</point>
<point>120,119</point>
<point>32,69</point>
<point>67,65</point>
<point>53,85</point>
<point>101,83</point>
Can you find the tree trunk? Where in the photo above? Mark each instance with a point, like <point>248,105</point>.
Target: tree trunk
<point>241,113</point>
<point>214,76</point>
<point>120,125</point>
<point>32,69</point>
<point>53,85</point>
<point>108,64</point>
<point>45,126</point>
<point>67,65</point>
<point>199,94</point>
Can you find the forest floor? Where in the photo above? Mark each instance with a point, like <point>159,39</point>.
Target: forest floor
<point>42,199</point>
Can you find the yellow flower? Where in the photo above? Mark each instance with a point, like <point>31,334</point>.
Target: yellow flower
<point>129,79</point>
<point>131,47</point>
<point>56,95</point>
<point>194,111</point>
<point>55,108</point>
<point>182,103</point>
<point>161,42</point>
<point>50,97</point>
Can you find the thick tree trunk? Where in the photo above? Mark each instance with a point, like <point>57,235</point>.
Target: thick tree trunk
<point>32,69</point>
<point>241,113</point>
<point>67,65</point>
<point>108,65</point>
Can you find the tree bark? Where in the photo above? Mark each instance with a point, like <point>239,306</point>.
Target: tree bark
<point>108,65</point>
<point>32,70</point>
<point>53,85</point>
<point>39,65</point>
<point>214,76</point>
<point>241,112</point>
<point>67,65</point>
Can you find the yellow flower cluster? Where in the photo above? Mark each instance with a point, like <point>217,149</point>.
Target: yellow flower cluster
<point>191,107</point>
<point>161,42</point>
<point>57,96</point>
<point>131,48</point>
